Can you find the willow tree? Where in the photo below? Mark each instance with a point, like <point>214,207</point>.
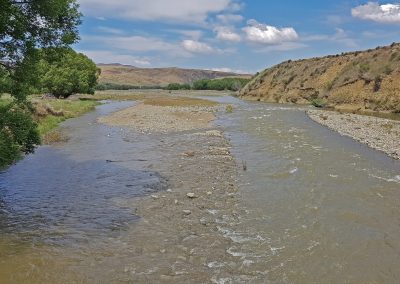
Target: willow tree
<point>25,27</point>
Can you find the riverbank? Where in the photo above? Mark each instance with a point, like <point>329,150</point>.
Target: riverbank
<point>377,133</point>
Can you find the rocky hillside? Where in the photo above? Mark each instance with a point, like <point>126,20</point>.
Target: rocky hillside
<point>363,80</point>
<point>130,75</point>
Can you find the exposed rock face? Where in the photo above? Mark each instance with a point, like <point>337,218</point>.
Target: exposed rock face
<point>367,80</point>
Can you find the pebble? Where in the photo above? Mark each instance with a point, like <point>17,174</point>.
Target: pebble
<point>191,195</point>
<point>187,212</point>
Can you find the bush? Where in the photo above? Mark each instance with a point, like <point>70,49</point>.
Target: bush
<point>317,102</point>
<point>18,132</point>
<point>177,86</point>
<point>387,70</point>
<point>64,72</point>
<point>229,109</point>
<point>231,84</point>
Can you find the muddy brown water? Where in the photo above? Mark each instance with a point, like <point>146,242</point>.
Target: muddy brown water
<point>320,208</point>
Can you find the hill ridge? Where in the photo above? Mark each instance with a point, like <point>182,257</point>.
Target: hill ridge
<point>359,80</point>
<point>161,76</point>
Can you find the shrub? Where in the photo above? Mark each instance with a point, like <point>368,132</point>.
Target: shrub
<point>387,70</point>
<point>329,86</point>
<point>232,84</point>
<point>364,67</point>
<point>18,132</point>
<point>317,102</point>
<point>177,86</point>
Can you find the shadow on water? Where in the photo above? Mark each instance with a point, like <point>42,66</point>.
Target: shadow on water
<point>71,193</point>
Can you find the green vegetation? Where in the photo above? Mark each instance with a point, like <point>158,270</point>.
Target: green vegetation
<point>229,109</point>
<point>25,28</point>
<point>176,86</point>
<point>49,114</point>
<point>64,72</point>
<point>318,102</point>
<point>230,84</point>
<point>18,132</point>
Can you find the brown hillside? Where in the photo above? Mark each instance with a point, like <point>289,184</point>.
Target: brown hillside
<point>363,80</point>
<point>129,75</point>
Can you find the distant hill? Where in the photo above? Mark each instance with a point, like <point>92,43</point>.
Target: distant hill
<point>362,80</point>
<point>130,75</point>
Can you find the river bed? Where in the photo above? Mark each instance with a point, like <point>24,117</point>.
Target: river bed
<point>312,205</point>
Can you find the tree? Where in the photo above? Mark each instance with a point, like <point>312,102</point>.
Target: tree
<point>25,27</point>
<point>64,72</point>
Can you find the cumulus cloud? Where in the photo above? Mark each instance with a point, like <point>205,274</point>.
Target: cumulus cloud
<point>261,33</point>
<point>188,11</point>
<point>195,46</point>
<point>103,56</point>
<point>227,34</point>
<point>386,13</point>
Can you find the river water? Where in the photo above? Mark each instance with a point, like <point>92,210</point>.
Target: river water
<point>321,208</point>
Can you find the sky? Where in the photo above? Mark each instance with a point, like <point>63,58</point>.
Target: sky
<point>243,36</point>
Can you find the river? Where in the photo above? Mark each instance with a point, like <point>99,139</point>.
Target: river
<point>319,207</point>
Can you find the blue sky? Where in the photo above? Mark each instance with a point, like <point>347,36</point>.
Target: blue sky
<point>231,35</point>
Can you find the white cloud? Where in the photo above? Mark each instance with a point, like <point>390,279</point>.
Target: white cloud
<point>194,46</point>
<point>227,34</point>
<point>229,18</point>
<point>188,11</point>
<point>261,33</point>
<point>110,30</point>
<point>103,56</point>
<point>192,34</point>
<point>134,43</point>
<point>387,13</point>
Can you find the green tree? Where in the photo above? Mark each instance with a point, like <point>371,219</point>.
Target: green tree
<point>25,27</point>
<point>64,72</point>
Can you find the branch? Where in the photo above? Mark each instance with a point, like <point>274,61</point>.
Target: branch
<point>6,66</point>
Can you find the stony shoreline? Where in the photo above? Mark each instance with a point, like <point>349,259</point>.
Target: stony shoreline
<point>377,133</point>
<point>181,236</point>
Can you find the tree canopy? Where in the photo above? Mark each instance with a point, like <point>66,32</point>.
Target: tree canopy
<point>26,26</point>
<point>64,72</point>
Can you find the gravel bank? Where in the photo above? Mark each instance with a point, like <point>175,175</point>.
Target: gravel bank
<point>185,233</point>
<point>378,133</point>
<point>162,119</point>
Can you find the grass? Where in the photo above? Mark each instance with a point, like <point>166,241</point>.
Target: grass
<point>66,109</point>
<point>115,95</point>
